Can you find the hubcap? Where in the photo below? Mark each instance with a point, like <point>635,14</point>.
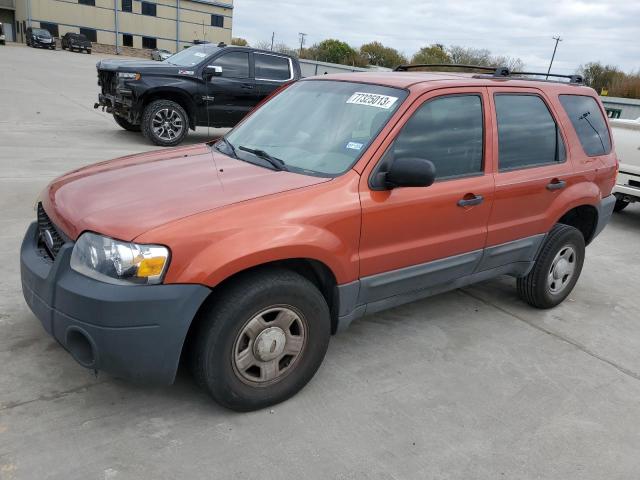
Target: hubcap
<point>269,345</point>
<point>167,124</point>
<point>562,269</point>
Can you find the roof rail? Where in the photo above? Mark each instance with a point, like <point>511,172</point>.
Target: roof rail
<point>501,72</point>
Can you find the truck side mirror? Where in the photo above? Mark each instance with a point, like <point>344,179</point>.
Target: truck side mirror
<point>214,70</point>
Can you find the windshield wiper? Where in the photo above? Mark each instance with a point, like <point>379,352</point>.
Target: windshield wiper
<point>229,145</point>
<point>276,162</point>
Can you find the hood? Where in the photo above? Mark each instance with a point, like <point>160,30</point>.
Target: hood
<point>126,197</point>
<point>138,66</point>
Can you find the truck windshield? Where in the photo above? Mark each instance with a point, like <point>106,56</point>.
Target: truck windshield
<point>192,55</point>
<point>318,127</point>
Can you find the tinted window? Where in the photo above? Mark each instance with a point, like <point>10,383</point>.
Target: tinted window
<point>448,131</point>
<point>149,9</point>
<point>270,67</point>
<point>88,34</point>
<point>127,40</point>
<point>217,21</point>
<point>234,65</point>
<point>527,133</point>
<point>589,123</point>
<point>126,6</point>
<point>148,42</point>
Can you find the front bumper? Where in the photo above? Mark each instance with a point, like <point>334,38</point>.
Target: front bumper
<point>132,332</point>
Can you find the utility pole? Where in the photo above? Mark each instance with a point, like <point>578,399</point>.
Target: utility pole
<point>557,39</point>
<point>115,13</point>
<point>302,35</point>
<point>273,35</point>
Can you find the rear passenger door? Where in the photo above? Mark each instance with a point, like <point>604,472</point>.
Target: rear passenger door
<point>271,72</point>
<point>532,170</point>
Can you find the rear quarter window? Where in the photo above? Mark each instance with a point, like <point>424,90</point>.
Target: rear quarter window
<point>588,122</point>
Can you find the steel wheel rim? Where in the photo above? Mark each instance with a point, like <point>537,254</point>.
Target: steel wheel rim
<point>167,124</point>
<point>562,269</point>
<point>269,345</point>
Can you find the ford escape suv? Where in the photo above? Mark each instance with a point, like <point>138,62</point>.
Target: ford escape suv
<point>339,197</point>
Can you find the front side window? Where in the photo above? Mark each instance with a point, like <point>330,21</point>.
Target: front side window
<point>234,65</point>
<point>272,67</point>
<point>318,127</point>
<point>527,133</point>
<point>448,131</point>
<point>590,125</point>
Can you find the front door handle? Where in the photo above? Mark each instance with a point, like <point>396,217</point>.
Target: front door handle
<point>556,184</point>
<point>470,200</point>
<point>247,86</point>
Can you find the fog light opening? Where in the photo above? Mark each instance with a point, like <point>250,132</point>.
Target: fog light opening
<point>81,348</point>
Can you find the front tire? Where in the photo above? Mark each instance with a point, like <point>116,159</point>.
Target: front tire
<point>620,205</point>
<point>126,124</point>
<point>165,123</point>
<point>556,269</point>
<point>262,340</point>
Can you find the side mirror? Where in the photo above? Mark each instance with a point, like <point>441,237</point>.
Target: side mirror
<point>407,172</point>
<point>214,70</point>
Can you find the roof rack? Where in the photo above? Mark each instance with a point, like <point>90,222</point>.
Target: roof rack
<point>500,72</point>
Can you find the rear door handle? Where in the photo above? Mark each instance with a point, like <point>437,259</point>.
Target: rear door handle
<point>556,184</point>
<point>469,201</point>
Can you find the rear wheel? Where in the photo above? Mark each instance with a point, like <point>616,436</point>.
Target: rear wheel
<point>556,270</point>
<point>124,123</point>
<point>165,123</point>
<point>262,340</point>
<point>620,205</point>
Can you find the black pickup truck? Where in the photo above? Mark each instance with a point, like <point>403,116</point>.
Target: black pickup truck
<point>204,85</point>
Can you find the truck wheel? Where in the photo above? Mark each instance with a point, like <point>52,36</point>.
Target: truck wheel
<point>262,340</point>
<point>556,270</point>
<point>165,123</point>
<point>126,124</point>
<point>620,205</point>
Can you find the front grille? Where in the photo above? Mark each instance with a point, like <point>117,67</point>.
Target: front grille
<point>48,236</point>
<point>108,82</point>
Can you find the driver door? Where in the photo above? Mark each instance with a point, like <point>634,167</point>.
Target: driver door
<point>420,237</point>
<point>230,96</point>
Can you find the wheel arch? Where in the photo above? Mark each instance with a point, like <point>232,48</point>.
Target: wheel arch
<point>583,217</point>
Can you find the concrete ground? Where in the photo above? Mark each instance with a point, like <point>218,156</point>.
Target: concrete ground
<point>469,384</point>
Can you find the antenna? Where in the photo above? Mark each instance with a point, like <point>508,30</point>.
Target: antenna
<point>557,39</point>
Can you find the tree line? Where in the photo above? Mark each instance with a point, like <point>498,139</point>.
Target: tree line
<point>610,80</point>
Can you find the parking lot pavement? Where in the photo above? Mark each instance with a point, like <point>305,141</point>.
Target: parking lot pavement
<point>469,384</point>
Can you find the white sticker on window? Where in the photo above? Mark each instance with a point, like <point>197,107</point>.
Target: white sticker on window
<point>372,100</point>
<point>200,54</point>
<point>354,145</point>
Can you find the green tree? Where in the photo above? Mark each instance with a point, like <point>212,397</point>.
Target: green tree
<point>435,53</point>
<point>377,54</point>
<point>334,51</point>
<point>599,76</point>
<point>239,41</point>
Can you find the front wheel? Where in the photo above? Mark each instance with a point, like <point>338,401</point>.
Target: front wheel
<point>126,124</point>
<point>165,123</point>
<point>620,205</point>
<point>556,269</point>
<point>262,340</point>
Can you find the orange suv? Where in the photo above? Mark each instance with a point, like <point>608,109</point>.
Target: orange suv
<point>339,197</point>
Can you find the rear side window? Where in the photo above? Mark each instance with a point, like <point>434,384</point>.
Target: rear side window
<point>527,133</point>
<point>271,67</point>
<point>590,125</point>
<point>234,65</point>
<point>448,131</point>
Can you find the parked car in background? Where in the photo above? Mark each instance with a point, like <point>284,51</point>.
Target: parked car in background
<point>39,37</point>
<point>160,54</point>
<point>626,134</point>
<point>341,196</point>
<point>76,41</point>
<point>205,85</point>
<point>2,35</point>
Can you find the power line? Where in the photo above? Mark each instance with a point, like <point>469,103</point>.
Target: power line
<point>557,39</point>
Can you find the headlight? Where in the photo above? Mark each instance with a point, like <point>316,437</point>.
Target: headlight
<point>121,263</point>
<point>129,76</point>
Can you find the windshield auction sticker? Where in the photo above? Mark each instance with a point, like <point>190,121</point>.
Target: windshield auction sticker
<point>372,100</point>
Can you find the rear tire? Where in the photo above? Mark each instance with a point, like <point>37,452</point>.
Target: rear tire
<point>126,124</point>
<point>620,205</point>
<point>556,269</point>
<point>244,354</point>
<point>165,123</point>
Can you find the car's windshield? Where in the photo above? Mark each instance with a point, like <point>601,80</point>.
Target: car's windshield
<point>192,55</point>
<point>42,31</point>
<point>318,127</point>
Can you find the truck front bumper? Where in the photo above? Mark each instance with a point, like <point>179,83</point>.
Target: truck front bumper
<point>132,332</point>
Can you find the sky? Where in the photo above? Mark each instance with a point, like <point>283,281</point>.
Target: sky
<point>603,30</point>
